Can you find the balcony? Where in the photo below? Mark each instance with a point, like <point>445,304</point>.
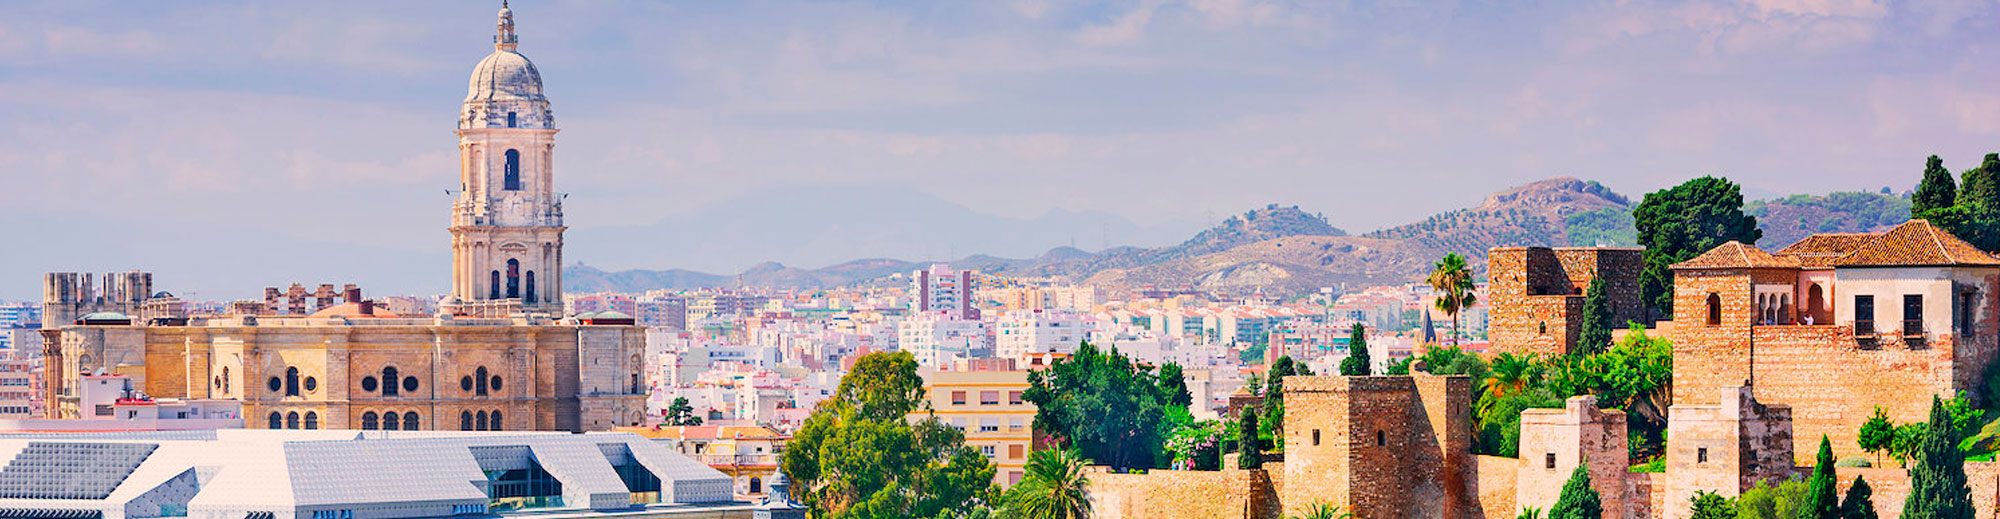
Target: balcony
<point>737,460</point>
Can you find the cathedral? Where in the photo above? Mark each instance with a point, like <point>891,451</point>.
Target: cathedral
<point>499,354</point>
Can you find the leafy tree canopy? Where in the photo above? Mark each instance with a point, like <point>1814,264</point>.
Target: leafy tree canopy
<point>856,459</point>
<point>1678,223</point>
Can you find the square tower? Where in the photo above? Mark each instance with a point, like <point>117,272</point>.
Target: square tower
<point>1380,447</point>
<point>1535,294</point>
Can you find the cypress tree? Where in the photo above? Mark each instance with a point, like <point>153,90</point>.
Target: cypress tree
<point>1357,363</point>
<point>1596,332</point>
<point>1937,482</point>
<point>1251,454</point>
<point>1936,191</point>
<point>1578,500</point>
<point>1857,504</point>
<point>1820,491</point>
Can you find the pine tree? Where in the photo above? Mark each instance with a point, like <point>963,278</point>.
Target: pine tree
<point>1251,454</point>
<point>1937,482</point>
<point>1936,191</point>
<point>1596,333</point>
<point>1357,363</point>
<point>1857,504</point>
<point>1820,491</point>
<point>1578,500</point>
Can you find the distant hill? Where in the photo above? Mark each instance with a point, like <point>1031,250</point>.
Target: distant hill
<point>1787,220</point>
<point>1284,250</point>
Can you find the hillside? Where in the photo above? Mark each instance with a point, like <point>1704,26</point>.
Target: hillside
<point>1284,250</point>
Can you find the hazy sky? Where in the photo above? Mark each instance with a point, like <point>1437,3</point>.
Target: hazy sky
<point>330,122</point>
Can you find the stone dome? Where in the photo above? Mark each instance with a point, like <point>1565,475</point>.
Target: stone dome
<point>505,75</point>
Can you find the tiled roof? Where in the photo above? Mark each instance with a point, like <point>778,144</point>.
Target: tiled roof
<point>1735,254</point>
<point>1825,249</point>
<point>1916,242</point>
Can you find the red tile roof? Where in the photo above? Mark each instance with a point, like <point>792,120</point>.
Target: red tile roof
<point>1916,243</point>
<point>1824,249</point>
<point>1735,254</point>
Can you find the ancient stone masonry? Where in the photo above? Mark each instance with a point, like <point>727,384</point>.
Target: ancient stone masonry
<point>1555,441</point>
<point>1535,296</point>
<point>1725,448</point>
<point>1838,324</point>
<point>69,295</point>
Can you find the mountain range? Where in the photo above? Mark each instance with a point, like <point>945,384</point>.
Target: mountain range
<point>1286,250</point>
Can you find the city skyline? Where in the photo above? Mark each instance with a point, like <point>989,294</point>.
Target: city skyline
<point>314,136</point>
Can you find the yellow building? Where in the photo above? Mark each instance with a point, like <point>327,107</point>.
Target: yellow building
<point>984,400</point>
<point>748,454</point>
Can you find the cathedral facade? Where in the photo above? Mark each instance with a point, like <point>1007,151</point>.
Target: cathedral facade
<point>498,356</point>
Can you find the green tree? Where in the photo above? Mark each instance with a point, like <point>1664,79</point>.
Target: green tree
<point>1765,501</point>
<point>1103,405</point>
<point>1936,191</point>
<point>1052,487</point>
<point>1577,500</point>
<point>680,413</point>
<point>1710,505</point>
<point>1357,363</point>
<point>1981,187</point>
<point>1595,335</point>
<point>1273,421</point>
<point>1250,454</point>
<point>1877,434</point>
<point>1323,511</point>
<point>1858,503</point>
<point>1452,280</point>
<point>1678,223</point>
<point>1937,482</point>
<point>1820,501</point>
<point>1904,445</point>
<point>1173,384</point>
<point>860,456</point>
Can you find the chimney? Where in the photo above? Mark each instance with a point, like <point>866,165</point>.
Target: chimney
<point>354,294</point>
<point>367,307</point>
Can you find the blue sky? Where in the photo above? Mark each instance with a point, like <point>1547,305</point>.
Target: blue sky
<point>281,130</point>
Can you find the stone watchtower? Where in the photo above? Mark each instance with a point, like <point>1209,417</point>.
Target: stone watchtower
<point>1535,299</point>
<point>1555,441</point>
<point>1391,446</point>
<point>1726,448</point>
<point>507,224</point>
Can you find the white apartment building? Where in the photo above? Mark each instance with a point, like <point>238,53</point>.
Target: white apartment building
<point>942,291</point>
<point>939,340</point>
<point>1020,332</point>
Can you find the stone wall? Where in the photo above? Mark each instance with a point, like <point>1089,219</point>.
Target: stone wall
<point>1725,448</point>
<point>1535,294</point>
<point>1180,494</point>
<point>1645,495</point>
<point>1555,441</point>
<point>1380,447</point>
<point>1496,486</point>
<point>1891,487</point>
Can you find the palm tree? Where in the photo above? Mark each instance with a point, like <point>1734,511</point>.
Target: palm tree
<point>1052,487</point>
<point>1453,281</point>
<point>1510,374</point>
<point>1323,511</point>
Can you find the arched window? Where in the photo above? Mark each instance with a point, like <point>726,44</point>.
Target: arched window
<point>1381,439</point>
<point>513,278</point>
<point>465,420</point>
<point>312,420</point>
<point>479,376</point>
<point>1816,304</point>
<point>391,420</point>
<point>410,421</point>
<point>291,381</point>
<point>512,122</point>
<point>531,287</point>
<point>1714,309</point>
<point>369,421</point>
<point>292,420</point>
<point>756,485</point>
<point>225,379</point>
<point>389,378</point>
<point>277,421</point>
<point>479,421</point>
<point>496,286</point>
<point>513,179</point>
<point>497,424</point>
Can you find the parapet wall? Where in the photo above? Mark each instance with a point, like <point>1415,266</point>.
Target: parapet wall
<point>1181,494</point>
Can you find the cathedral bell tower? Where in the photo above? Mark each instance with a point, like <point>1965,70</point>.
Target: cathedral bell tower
<point>507,222</point>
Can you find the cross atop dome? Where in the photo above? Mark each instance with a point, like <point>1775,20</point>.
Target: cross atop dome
<point>506,39</point>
